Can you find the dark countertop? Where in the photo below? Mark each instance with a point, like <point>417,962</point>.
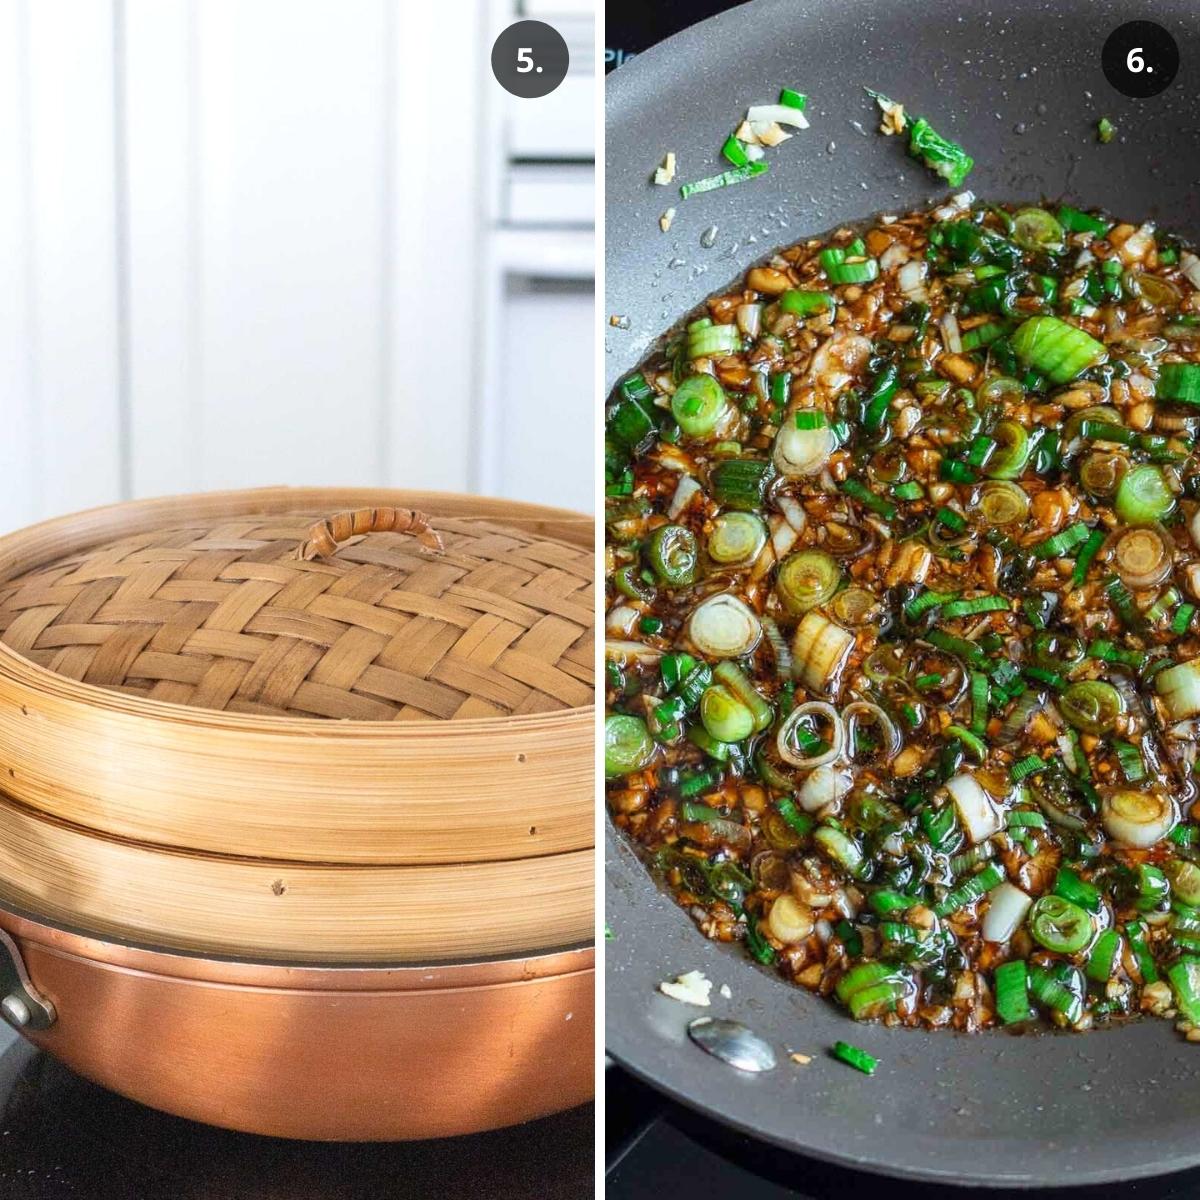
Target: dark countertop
<point>63,1138</point>
<point>656,1149</point>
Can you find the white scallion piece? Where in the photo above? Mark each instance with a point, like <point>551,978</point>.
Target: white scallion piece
<point>801,452</point>
<point>724,627</point>
<point>819,650</point>
<point>976,812</point>
<point>1189,264</point>
<point>1007,906</point>
<point>1137,819</point>
<point>685,491</point>
<point>824,786</point>
<point>780,114</point>
<point>1179,688</point>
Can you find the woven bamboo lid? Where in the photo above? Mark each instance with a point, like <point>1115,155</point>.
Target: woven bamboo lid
<point>366,615</point>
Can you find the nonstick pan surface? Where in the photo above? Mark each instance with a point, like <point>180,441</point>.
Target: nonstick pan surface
<point>1021,87</point>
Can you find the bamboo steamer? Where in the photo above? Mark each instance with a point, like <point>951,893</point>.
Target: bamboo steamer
<point>158,694</point>
<point>302,724</point>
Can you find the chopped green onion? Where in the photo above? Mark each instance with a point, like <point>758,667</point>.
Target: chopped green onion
<point>1107,652</point>
<point>699,781</point>
<point>1041,675</point>
<point>1182,620</point>
<point>979,702</point>
<point>807,580</point>
<point>942,156</point>
<point>887,902</point>
<point>954,471</point>
<point>924,602</point>
<point>1130,758</point>
<point>1076,221</point>
<point>960,647</point>
<point>1071,886</point>
<point>863,494</point>
<point>759,947</point>
<point>1030,765</point>
<point>940,826</point>
<point>724,179</point>
<point>983,335</point>
<point>805,304</point>
<point>1062,543</point>
<point>1179,382</point>
<point>865,271</point>
<point>953,521</point>
<point>1103,956</point>
<point>970,891</point>
<point>1105,130</point>
<point>1055,349</point>
<point>974,745</point>
<point>628,745</point>
<point>970,608</point>
<point>1021,819</point>
<point>1121,599</point>
<point>1059,924</point>
<point>854,1057</point>
<point>908,491</point>
<point>1036,229</point>
<point>740,483</point>
<point>734,151</point>
<point>1012,992</point>
<point>672,553</point>
<point>699,402</point>
<point>885,386</point>
<point>1054,993</point>
<point>1184,977</point>
<point>811,418</point>
<point>1135,931</point>
<point>1143,496</point>
<point>1092,706</point>
<point>792,98</point>
<point>690,810</point>
<point>674,668</point>
<point>1084,558</point>
<point>630,420</point>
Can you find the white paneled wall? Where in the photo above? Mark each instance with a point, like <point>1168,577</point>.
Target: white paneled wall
<point>246,242</point>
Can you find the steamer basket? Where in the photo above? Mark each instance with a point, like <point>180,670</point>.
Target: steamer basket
<point>297,911</point>
<point>165,666</point>
<point>345,1053</point>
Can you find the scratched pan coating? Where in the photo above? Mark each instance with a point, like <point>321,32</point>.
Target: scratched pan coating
<point>1020,86</point>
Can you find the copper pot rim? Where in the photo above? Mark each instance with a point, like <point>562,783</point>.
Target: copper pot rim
<point>125,955</point>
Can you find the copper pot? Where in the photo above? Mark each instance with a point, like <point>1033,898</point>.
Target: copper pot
<point>346,1053</point>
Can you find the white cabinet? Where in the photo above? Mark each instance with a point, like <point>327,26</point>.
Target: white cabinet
<point>277,241</point>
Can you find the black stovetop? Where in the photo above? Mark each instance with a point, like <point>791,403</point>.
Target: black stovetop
<point>62,1138</point>
<point>654,1148</point>
<point>632,26</point>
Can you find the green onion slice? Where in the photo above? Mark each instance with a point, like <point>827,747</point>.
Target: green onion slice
<point>628,745</point>
<point>1060,925</point>
<point>1092,706</point>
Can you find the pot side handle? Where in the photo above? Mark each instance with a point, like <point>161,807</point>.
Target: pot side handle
<point>21,1004</point>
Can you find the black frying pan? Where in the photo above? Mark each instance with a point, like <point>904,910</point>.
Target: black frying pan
<point>993,1109</point>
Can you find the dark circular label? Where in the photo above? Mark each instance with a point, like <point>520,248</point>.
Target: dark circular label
<point>1140,59</point>
<point>530,59</point>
